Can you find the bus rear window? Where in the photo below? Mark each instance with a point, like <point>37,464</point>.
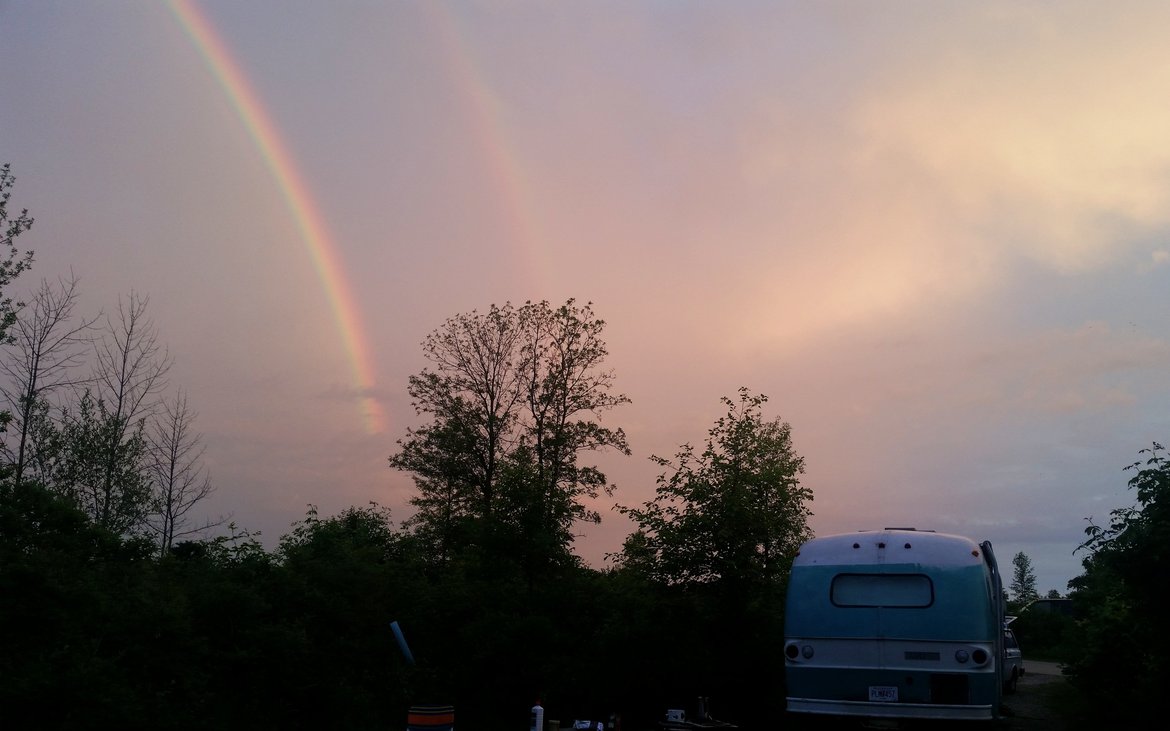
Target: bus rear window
<point>882,590</point>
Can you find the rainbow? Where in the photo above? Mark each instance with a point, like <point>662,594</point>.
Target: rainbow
<point>501,160</point>
<point>309,221</point>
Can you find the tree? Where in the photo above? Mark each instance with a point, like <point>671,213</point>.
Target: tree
<point>1121,601</point>
<point>345,572</point>
<point>48,347</point>
<point>81,645</point>
<point>1023,579</point>
<point>43,433</point>
<point>179,480</point>
<point>129,371</point>
<point>93,452</point>
<point>131,364</point>
<point>733,515</point>
<point>12,261</point>
<point>515,398</point>
<point>99,461</point>
<point>717,541</point>
<point>443,458</point>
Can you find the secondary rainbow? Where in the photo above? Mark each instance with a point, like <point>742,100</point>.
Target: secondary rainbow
<point>484,118</point>
<point>309,221</point>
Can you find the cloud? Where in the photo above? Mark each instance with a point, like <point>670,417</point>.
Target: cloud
<point>1044,131</point>
<point>1091,368</point>
<point>1158,258</point>
<point>918,182</point>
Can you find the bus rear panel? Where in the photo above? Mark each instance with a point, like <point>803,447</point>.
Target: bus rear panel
<point>894,624</point>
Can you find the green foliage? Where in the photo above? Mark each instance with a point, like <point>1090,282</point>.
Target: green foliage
<point>735,514</point>
<point>77,625</point>
<point>110,632</point>
<point>12,260</point>
<point>1045,635</point>
<point>514,397</point>
<point>222,633</point>
<point>1023,580</point>
<point>345,581</point>
<point>711,553</point>
<point>1123,663</point>
<point>101,465</point>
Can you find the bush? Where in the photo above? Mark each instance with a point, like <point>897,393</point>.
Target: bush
<point>1123,661</point>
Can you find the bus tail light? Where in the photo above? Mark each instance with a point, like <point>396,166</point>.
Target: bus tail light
<point>794,651</point>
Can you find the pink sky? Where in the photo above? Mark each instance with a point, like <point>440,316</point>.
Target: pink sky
<point>935,235</point>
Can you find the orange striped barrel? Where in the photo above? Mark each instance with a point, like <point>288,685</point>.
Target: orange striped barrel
<point>430,718</point>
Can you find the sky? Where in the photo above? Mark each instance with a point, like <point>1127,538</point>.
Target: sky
<point>935,235</point>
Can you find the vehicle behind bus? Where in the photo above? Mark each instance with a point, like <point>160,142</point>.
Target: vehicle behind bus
<point>896,623</point>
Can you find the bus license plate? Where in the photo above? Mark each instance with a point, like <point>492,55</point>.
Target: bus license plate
<point>883,693</point>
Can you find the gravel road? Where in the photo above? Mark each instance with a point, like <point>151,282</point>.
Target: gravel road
<point>1031,707</point>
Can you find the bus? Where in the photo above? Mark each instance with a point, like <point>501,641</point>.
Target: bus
<point>896,624</point>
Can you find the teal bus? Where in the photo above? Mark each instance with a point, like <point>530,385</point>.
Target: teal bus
<point>895,624</point>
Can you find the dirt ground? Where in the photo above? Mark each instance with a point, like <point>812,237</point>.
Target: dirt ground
<point>1036,704</point>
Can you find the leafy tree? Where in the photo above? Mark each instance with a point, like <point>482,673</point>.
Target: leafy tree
<point>514,398</point>
<point>94,451</point>
<point>1123,662</point>
<point>1045,633</point>
<point>716,542</point>
<point>735,513</point>
<point>76,648</point>
<point>44,445</point>
<point>12,261</point>
<point>346,584</point>
<point>241,621</point>
<point>104,445</point>
<point>101,464</point>
<point>1023,579</point>
<point>443,457</point>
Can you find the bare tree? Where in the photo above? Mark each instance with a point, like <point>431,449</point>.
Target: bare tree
<point>129,372</point>
<point>179,478</point>
<point>48,347</point>
<point>131,365</point>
